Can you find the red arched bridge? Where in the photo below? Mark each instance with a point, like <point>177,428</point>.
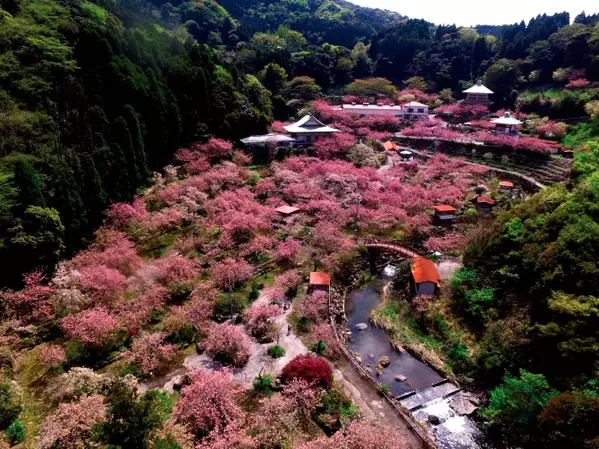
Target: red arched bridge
<point>391,247</point>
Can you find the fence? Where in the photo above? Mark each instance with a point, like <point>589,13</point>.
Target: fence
<point>405,415</point>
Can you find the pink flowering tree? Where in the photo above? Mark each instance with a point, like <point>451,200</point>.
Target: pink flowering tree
<point>70,426</point>
<point>31,303</point>
<point>231,437</point>
<point>228,344</point>
<point>334,146</point>
<point>150,353</point>
<point>452,241</point>
<point>51,356</point>
<point>230,273</point>
<point>552,130</point>
<point>208,406</point>
<point>287,250</point>
<point>122,216</point>
<point>259,321</point>
<point>96,327</point>
<point>102,283</point>
<point>323,341</point>
<point>175,270</point>
<point>315,306</point>
<point>216,148</point>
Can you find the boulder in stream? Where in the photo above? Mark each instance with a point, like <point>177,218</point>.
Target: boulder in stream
<point>400,378</point>
<point>434,420</point>
<point>384,361</point>
<point>361,326</point>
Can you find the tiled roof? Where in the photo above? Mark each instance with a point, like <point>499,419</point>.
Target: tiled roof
<point>286,210</point>
<point>424,270</point>
<point>444,208</point>
<point>319,278</point>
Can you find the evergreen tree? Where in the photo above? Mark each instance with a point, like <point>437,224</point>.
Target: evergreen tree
<point>28,183</point>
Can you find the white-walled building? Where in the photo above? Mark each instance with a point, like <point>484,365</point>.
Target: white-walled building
<point>308,129</point>
<point>478,94</point>
<point>506,124</point>
<point>409,110</point>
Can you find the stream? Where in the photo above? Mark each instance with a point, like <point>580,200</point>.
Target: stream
<point>434,401</point>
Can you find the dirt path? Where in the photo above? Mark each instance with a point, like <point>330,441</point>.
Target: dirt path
<point>373,407</point>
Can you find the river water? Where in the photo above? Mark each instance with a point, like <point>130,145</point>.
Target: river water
<point>453,431</point>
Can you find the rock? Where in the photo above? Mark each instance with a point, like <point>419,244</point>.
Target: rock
<point>401,378</point>
<point>179,381</point>
<point>462,404</point>
<point>358,358</point>
<point>371,355</point>
<point>384,361</point>
<point>434,420</point>
<point>361,326</point>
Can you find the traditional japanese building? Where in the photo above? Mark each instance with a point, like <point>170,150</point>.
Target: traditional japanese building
<point>414,110</point>
<point>426,276</point>
<point>319,281</point>
<point>269,140</point>
<point>477,94</point>
<point>444,213</point>
<point>308,129</point>
<point>507,124</point>
<point>367,109</point>
<point>484,204</point>
<point>390,146</point>
<point>287,210</point>
<point>506,186</point>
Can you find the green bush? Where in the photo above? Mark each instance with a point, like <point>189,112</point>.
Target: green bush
<point>9,405</point>
<point>253,294</point>
<point>384,389</point>
<point>15,433</point>
<point>276,351</point>
<point>319,348</point>
<point>263,384</point>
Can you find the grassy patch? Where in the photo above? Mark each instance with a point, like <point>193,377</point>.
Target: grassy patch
<point>95,12</point>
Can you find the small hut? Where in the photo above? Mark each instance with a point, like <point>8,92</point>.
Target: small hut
<point>319,281</point>
<point>406,156</point>
<point>477,94</point>
<point>484,204</point>
<point>507,124</point>
<point>390,146</point>
<point>444,213</point>
<point>506,186</point>
<point>426,276</point>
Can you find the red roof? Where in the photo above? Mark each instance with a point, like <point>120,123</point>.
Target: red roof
<point>390,146</point>
<point>286,210</point>
<point>506,184</point>
<point>319,278</point>
<point>424,270</point>
<point>485,200</point>
<point>444,208</point>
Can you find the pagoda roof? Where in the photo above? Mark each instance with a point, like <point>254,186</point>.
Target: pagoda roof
<point>444,208</point>
<point>415,104</point>
<point>507,119</point>
<point>485,200</point>
<point>309,124</point>
<point>286,210</point>
<point>478,88</point>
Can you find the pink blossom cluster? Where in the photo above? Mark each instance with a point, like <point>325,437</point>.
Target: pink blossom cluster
<point>228,344</point>
<point>150,353</point>
<point>452,241</point>
<point>463,111</point>
<point>258,319</point>
<point>51,356</point>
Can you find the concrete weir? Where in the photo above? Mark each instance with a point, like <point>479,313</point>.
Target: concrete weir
<point>415,400</point>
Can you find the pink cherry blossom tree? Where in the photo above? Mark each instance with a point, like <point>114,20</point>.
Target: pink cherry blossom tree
<point>207,406</point>
<point>70,426</point>
<point>150,353</point>
<point>95,327</point>
<point>259,321</point>
<point>31,303</point>
<point>51,356</point>
<point>360,435</point>
<point>230,273</point>
<point>287,250</point>
<point>228,344</point>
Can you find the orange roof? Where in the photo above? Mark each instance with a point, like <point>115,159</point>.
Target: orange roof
<point>506,184</point>
<point>286,210</point>
<point>444,208</point>
<point>424,270</point>
<point>390,146</point>
<point>485,200</point>
<point>319,278</point>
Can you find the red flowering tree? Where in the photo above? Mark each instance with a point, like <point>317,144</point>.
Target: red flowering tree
<point>314,370</point>
<point>259,321</point>
<point>122,215</point>
<point>102,283</point>
<point>150,353</point>
<point>207,405</point>
<point>95,327</point>
<point>230,273</point>
<point>287,250</point>
<point>228,344</point>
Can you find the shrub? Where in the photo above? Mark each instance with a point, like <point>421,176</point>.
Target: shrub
<point>384,389</point>
<point>15,432</point>
<point>263,384</point>
<point>9,405</point>
<point>313,370</point>
<point>276,351</point>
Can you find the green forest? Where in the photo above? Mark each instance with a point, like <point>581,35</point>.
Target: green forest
<point>96,97</point>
